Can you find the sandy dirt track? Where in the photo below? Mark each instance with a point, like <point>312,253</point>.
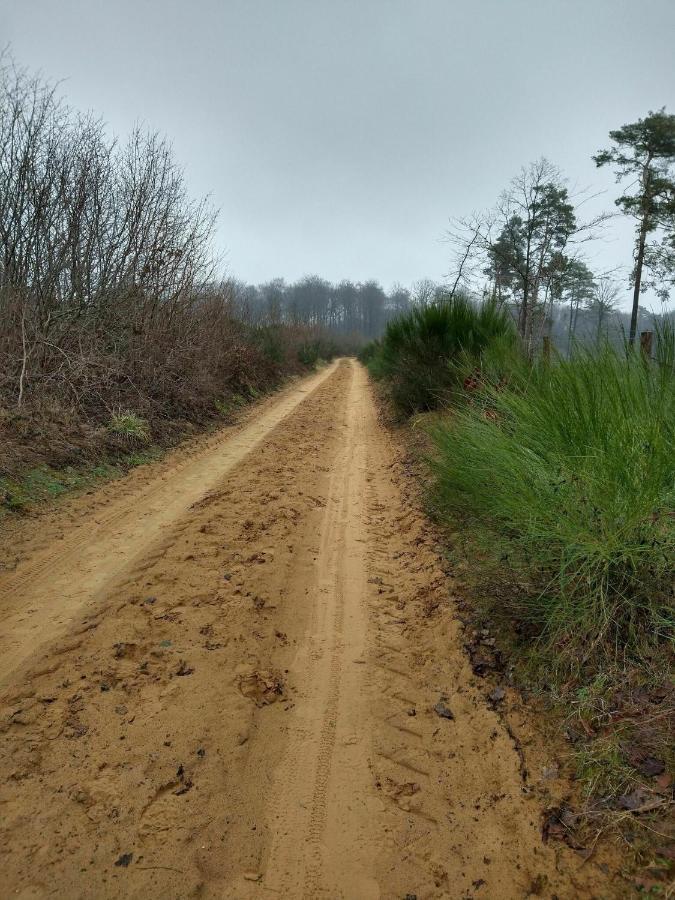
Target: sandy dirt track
<point>222,683</point>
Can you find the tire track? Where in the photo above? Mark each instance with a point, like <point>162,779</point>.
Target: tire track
<point>319,817</point>
<point>40,600</point>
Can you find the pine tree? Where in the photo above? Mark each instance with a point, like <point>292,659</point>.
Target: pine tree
<point>645,151</point>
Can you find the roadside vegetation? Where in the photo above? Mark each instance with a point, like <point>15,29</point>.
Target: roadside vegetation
<point>571,464</point>
<point>116,333</point>
<point>416,352</point>
<point>553,481</point>
<point>550,467</point>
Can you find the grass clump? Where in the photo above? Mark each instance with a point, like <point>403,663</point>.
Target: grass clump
<point>129,426</point>
<point>570,466</point>
<point>419,349</point>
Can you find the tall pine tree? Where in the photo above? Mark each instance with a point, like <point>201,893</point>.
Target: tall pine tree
<point>645,151</point>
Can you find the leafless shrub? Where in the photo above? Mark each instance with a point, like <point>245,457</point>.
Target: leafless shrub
<point>107,292</point>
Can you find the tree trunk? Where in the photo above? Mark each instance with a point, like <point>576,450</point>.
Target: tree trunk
<point>598,333</point>
<point>642,240</point>
<point>639,262</point>
<point>572,326</point>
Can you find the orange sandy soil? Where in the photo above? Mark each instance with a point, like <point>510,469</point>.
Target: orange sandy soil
<point>238,673</point>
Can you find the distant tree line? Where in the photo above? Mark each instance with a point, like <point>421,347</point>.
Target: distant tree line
<point>584,309</point>
<point>355,309</point>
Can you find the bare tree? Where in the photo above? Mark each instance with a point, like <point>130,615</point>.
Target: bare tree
<point>602,304</point>
<point>95,238</point>
<point>424,292</point>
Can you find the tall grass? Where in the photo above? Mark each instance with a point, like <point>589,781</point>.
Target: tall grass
<point>417,353</point>
<point>572,465</point>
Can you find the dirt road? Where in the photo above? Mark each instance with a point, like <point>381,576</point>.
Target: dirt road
<point>238,674</point>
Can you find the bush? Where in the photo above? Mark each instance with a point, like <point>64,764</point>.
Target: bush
<point>418,352</point>
<point>572,465</point>
<point>309,354</point>
<point>368,352</point>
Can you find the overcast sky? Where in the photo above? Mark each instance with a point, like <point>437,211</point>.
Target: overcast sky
<point>339,136</point>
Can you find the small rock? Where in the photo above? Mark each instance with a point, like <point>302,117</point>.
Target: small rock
<point>443,711</point>
<point>124,860</point>
<point>253,876</point>
<point>497,695</point>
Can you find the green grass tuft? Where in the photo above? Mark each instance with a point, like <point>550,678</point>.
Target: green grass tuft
<point>130,426</point>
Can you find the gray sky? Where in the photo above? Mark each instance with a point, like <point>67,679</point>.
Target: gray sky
<point>338,136</point>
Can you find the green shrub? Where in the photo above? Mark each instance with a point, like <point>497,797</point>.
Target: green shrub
<point>308,353</point>
<point>572,466</point>
<point>227,406</point>
<point>272,342</point>
<point>368,351</point>
<point>418,352</point>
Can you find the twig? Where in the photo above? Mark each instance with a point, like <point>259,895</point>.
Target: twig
<point>25,356</point>
<point>166,868</point>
